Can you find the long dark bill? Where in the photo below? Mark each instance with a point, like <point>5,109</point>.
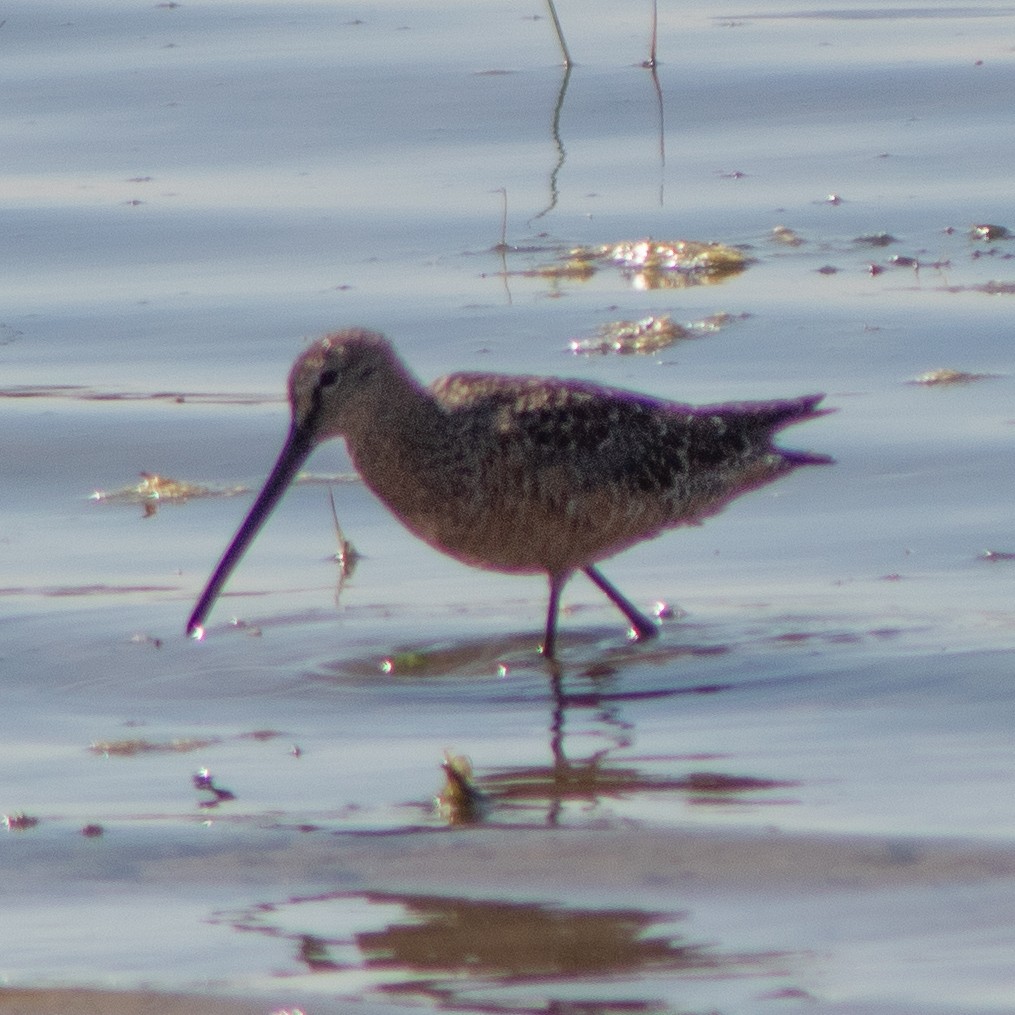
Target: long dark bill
<point>294,453</point>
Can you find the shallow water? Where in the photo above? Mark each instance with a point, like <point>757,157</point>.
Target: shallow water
<point>798,797</point>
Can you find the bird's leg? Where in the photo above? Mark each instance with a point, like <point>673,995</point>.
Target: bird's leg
<point>641,626</point>
<point>557,582</point>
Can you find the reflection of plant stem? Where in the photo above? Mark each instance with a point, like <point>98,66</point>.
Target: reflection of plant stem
<point>502,247</point>
<point>561,151</point>
<point>662,134</point>
<point>503,219</point>
<point>560,34</point>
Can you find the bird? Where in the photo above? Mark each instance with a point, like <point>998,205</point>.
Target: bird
<point>519,474</point>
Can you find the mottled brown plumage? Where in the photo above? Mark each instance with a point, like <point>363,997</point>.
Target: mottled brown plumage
<point>520,474</point>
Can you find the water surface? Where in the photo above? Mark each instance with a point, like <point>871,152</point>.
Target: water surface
<point>798,798</point>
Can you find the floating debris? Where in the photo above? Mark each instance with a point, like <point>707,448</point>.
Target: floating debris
<point>459,802</point>
<point>19,822</point>
<point>786,236</point>
<point>993,288</point>
<point>251,630</point>
<point>996,556</point>
<point>904,261</point>
<point>664,611</point>
<point>261,735</point>
<point>681,255</point>
<point>141,638</point>
<point>129,748</point>
<point>946,376</point>
<point>875,240</point>
<point>203,781</point>
<point>92,831</point>
<point>154,489</point>
<point>989,232</point>
<point>648,335</point>
<point>652,264</point>
<point>575,269</point>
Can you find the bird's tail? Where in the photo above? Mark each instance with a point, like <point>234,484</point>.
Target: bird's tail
<point>787,412</point>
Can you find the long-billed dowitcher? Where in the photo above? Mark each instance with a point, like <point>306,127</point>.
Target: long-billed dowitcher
<point>524,475</point>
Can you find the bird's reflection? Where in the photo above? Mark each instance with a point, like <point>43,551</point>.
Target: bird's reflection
<point>487,955</point>
<point>540,793</point>
<point>594,695</point>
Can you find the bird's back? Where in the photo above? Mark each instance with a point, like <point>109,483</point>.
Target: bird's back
<point>607,436</point>
<point>539,474</point>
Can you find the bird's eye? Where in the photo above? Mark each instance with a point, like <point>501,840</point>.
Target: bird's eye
<point>328,377</point>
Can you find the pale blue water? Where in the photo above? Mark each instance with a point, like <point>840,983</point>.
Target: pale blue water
<point>190,193</point>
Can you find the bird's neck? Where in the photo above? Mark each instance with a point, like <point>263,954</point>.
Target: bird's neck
<point>397,421</point>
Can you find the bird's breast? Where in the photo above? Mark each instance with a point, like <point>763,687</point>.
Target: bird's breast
<point>506,512</point>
